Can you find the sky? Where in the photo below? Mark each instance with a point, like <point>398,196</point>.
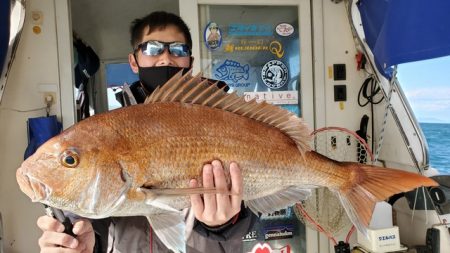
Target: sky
<point>427,87</point>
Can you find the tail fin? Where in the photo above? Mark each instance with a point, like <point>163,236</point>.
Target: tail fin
<point>370,184</point>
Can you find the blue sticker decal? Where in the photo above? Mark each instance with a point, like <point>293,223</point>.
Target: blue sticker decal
<point>274,74</point>
<point>232,71</point>
<point>250,30</point>
<point>212,36</point>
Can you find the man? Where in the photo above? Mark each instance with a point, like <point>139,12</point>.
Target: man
<point>161,47</point>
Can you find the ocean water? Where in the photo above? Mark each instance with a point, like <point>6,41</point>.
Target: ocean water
<point>438,138</point>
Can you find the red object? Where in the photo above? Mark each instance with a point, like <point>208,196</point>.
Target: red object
<point>360,61</point>
<point>262,250</point>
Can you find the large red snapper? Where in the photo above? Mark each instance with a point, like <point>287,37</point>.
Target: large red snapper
<point>138,160</point>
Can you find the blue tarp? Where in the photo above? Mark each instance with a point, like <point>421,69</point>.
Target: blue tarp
<point>40,130</point>
<point>5,8</point>
<point>400,31</point>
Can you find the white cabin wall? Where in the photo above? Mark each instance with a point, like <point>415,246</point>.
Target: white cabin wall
<point>339,48</point>
<point>35,63</point>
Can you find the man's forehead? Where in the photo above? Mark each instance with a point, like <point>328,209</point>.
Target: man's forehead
<point>171,29</point>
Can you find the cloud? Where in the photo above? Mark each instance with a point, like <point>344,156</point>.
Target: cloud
<point>441,93</point>
<point>431,103</point>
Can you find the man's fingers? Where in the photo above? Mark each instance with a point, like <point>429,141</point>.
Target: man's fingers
<point>47,223</point>
<point>223,200</point>
<point>237,186</point>
<point>50,239</point>
<point>219,176</point>
<point>53,236</point>
<point>81,227</point>
<point>196,200</point>
<point>85,235</point>
<point>82,247</point>
<point>210,204</point>
<point>59,250</point>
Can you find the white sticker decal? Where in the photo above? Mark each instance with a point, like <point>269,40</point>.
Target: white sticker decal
<point>284,29</point>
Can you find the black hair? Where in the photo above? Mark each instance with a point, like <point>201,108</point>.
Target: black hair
<point>158,20</point>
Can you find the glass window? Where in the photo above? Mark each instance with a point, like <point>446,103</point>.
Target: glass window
<point>117,74</point>
<point>254,49</point>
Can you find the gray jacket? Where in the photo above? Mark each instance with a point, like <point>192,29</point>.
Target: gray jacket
<point>134,234</point>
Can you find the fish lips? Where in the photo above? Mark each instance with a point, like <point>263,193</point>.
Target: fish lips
<point>32,187</point>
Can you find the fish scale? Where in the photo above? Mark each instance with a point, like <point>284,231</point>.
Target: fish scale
<point>189,154</point>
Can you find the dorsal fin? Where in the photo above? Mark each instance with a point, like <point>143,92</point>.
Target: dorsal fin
<point>193,90</point>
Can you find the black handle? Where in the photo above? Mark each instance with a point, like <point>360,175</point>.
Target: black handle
<point>59,215</point>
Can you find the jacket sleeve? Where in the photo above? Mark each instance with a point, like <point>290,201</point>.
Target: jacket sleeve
<point>101,234</point>
<point>233,229</point>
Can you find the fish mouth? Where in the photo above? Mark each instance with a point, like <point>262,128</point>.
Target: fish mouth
<point>32,187</point>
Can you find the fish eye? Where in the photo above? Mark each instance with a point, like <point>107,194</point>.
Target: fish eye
<point>69,158</point>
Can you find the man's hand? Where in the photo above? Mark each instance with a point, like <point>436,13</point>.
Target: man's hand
<point>53,240</point>
<point>217,209</point>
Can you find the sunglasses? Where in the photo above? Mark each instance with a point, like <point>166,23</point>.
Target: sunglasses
<point>155,48</point>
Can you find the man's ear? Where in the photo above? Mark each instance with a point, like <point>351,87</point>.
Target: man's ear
<point>133,63</point>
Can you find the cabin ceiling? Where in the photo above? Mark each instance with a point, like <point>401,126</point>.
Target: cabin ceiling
<point>104,24</point>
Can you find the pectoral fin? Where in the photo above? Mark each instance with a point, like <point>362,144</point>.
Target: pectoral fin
<point>279,200</point>
<point>170,229</point>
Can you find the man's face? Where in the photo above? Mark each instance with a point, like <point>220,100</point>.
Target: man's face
<point>169,34</point>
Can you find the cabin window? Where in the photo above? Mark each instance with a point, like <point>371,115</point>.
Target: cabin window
<point>117,74</point>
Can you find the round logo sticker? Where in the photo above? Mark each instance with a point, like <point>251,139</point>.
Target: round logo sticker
<point>212,36</point>
<point>274,74</point>
<point>284,29</point>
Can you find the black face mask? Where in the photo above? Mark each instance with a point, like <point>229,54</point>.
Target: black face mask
<point>152,77</point>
